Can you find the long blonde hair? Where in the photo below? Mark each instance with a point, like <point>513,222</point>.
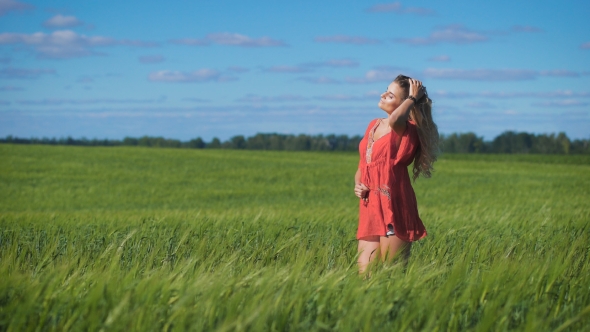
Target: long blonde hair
<point>421,114</point>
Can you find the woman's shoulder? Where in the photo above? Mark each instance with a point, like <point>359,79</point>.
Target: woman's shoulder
<point>370,126</point>
<point>372,123</point>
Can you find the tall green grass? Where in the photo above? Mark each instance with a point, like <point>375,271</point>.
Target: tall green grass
<point>163,239</point>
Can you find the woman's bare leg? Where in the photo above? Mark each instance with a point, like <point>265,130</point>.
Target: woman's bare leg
<point>368,250</point>
<point>392,245</point>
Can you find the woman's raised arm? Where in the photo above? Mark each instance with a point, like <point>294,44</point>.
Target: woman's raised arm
<point>397,119</point>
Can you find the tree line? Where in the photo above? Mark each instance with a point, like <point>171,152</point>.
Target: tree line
<point>507,142</point>
<point>514,142</point>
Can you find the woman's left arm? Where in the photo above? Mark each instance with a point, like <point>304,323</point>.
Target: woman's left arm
<point>397,119</point>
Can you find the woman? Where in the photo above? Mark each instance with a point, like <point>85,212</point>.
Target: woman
<point>388,218</point>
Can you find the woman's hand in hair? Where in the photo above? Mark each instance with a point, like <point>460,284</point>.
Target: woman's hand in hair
<point>416,89</point>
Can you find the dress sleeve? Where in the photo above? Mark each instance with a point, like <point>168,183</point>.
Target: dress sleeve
<point>410,142</point>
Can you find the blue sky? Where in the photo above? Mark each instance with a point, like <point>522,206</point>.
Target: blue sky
<point>183,69</point>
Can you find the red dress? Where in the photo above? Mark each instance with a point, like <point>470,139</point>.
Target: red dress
<point>384,169</point>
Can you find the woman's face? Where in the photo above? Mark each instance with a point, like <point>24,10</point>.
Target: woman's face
<point>392,98</point>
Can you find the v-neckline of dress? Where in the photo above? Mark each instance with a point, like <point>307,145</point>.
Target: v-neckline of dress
<point>373,132</point>
<point>371,141</point>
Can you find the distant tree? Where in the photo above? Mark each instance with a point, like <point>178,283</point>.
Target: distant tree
<point>302,143</point>
<point>512,142</point>
<point>258,142</point>
<point>195,143</point>
<point>507,142</point>
<point>320,143</point>
<point>276,142</point>
<point>215,143</point>
<point>69,141</point>
<point>130,141</point>
<point>546,144</point>
<point>171,143</point>
<point>564,142</point>
<point>462,143</point>
<point>237,142</point>
<point>580,146</point>
<point>144,141</point>
<point>522,143</point>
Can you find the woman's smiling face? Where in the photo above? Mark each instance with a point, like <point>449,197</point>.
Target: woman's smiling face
<point>392,98</point>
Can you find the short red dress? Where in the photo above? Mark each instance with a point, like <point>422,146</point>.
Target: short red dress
<point>384,170</point>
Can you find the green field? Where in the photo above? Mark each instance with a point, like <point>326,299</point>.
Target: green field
<point>145,239</point>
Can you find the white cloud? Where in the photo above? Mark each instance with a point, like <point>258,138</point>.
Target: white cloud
<point>61,21</point>
<point>525,28</point>
<point>380,74</point>
<point>238,69</point>
<point>388,73</point>
<point>11,5</point>
<point>151,59</point>
<point>559,73</point>
<point>440,58</point>
<point>232,39</point>
<point>64,44</point>
<point>398,8</point>
<point>136,43</point>
<point>263,99</point>
<point>11,88</point>
<point>312,66</point>
<point>458,34</point>
<point>549,94</point>
<point>337,97</point>
<point>357,40</point>
<point>481,74</point>
<point>510,95</point>
<point>450,95</point>
<point>190,41</point>
<point>347,97</point>
<point>495,74</point>
<point>201,75</point>
<point>505,95</point>
<point>21,73</point>
<point>58,101</point>
<point>383,74</point>
<point>561,103</point>
<point>196,100</point>
<point>320,80</point>
<point>334,63</point>
<point>85,79</point>
<point>480,105</point>
<point>455,34</point>
<point>288,69</point>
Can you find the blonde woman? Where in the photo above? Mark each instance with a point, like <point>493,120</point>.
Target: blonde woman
<point>388,216</point>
